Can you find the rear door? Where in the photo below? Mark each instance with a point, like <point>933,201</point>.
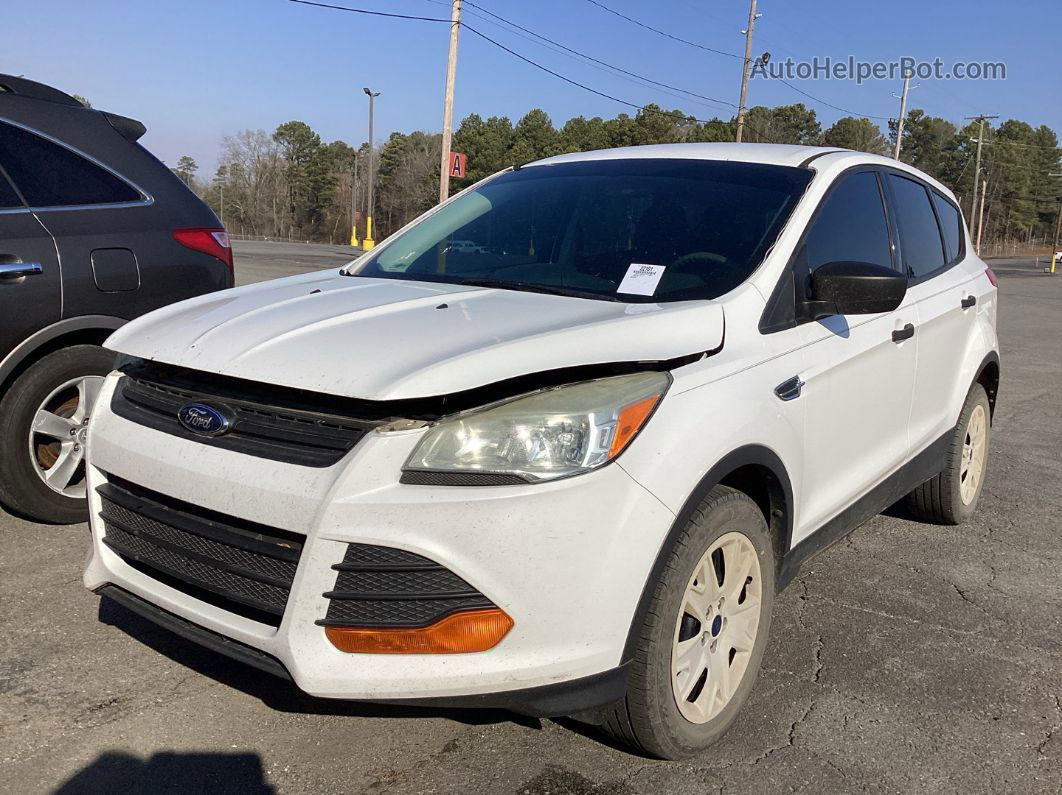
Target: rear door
<point>92,214</point>
<point>860,368</point>
<point>30,282</point>
<point>932,244</point>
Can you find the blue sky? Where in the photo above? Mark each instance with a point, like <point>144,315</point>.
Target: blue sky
<point>196,70</point>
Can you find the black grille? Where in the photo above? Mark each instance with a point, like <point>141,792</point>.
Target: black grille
<point>241,566</point>
<point>382,587</point>
<point>279,424</point>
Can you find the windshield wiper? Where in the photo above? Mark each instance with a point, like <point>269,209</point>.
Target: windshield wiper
<point>533,287</point>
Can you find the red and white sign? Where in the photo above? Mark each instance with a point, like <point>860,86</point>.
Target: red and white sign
<point>457,165</point>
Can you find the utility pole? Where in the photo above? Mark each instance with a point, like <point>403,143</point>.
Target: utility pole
<point>448,102</point>
<point>1058,230</point>
<point>368,242</point>
<point>903,116</point>
<point>745,71</point>
<point>977,161</point>
<point>980,215</point>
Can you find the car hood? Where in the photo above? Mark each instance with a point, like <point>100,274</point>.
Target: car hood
<point>387,339</point>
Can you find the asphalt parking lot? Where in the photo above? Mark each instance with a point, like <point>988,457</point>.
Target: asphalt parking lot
<point>910,657</point>
<point>257,261</point>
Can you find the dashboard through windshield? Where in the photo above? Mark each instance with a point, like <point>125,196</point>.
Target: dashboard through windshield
<point>654,230</point>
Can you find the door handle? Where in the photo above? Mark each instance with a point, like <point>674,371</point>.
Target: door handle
<point>16,270</point>
<point>968,301</point>
<point>789,389</point>
<point>904,333</point>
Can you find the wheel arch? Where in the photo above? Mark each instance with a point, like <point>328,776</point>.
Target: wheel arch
<point>753,469</point>
<point>988,377</point>
<point>88,329</point>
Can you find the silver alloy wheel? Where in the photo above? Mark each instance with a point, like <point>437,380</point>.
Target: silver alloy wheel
<point>716,627</point>
<point>57,435</point>
<point>973,454</point>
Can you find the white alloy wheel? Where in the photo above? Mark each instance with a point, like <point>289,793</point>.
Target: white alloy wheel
<point>973,454</point>
<point>57,435</point>
<point>716,627</point>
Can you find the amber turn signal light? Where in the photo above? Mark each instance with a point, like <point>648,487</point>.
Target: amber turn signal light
<point>460,633</point>
<point>628,422</point>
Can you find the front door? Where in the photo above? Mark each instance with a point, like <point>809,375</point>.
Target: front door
<point>859,379</point>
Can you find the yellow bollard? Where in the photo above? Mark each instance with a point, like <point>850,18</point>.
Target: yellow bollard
<point>368,242</point>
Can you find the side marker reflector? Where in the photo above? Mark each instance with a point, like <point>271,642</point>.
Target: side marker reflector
<point>460,633</point>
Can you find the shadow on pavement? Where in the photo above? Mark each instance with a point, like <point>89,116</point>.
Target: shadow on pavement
<point>114,771</point>
<point>276,693</point>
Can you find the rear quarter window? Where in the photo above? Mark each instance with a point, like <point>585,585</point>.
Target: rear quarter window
<point>950,227</point>
<point>50,175</point>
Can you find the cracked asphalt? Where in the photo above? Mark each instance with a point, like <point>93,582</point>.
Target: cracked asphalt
<point>908,658</point>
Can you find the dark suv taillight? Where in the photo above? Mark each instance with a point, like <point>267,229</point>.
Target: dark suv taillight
<point>214,242</point>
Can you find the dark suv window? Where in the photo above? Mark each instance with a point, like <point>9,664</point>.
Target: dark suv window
<point>850,226</point>
<point>8,197</point>
<point>49,175</point>
<point>920,240</point>
<point>950,225</point>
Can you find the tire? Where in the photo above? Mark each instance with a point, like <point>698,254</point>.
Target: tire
<point>949,497</point>
<point>63,383</point>
<point>649,718</point>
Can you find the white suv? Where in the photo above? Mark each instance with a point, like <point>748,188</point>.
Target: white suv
<point>569,477</point>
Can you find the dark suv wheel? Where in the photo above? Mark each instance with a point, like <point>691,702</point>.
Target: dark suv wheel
<point>44,417</point>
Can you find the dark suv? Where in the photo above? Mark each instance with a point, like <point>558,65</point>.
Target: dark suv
<point>94,231</point>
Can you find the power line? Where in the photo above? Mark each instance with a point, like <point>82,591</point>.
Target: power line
<point>569,80</point>
<point>827,104</point>
<point>368,12</point>
<point>594,60</point>
<point>665,33</point>
<point>730,55</point>
<point>523,58</point>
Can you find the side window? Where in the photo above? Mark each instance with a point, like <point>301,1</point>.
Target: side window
<point>850,226</point>
<point>49,175</point>
<point>8,197</point>
<point>920,243</point>
<point>950,225</point>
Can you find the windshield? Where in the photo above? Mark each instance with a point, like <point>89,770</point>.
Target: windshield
<point>629,230</point>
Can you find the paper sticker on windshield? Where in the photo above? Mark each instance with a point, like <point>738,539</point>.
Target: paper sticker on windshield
<point>641,279</point>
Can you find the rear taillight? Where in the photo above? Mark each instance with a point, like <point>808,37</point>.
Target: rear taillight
<point>214,242</point>
<point>991,277</point>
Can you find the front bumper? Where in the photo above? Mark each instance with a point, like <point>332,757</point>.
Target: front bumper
<point>565,560</point>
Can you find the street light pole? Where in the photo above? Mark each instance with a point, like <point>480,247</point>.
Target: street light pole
<point>354,203</point>
<point>368,242</point>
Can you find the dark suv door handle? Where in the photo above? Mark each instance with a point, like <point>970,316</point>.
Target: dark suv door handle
<point>16,270</point>
<point>968,301</point>
<point>904,333</point>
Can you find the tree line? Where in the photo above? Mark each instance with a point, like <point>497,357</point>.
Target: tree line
<point>290,184</point>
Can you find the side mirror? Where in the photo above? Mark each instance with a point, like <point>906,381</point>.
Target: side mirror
<point>854,288</point>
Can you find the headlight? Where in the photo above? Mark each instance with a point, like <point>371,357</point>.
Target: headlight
<point>545,435</point>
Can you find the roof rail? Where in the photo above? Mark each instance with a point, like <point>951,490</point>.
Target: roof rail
<point>22,87</point>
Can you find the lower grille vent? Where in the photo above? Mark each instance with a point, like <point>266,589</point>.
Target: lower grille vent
<point>241,566</point>
<point>382,587</point>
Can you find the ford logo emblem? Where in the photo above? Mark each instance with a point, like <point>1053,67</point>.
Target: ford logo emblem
<point>204,420</point>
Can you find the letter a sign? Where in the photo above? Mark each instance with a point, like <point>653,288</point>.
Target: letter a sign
<point>457,165</point>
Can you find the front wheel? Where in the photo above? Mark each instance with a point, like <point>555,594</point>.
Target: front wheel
<point>704,634</point>
<point>44,418</point>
